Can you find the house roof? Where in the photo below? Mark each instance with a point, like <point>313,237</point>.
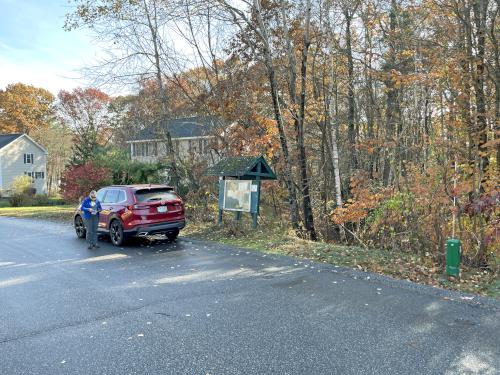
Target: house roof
<point>243,167</point>
<point>5,139</point>
<point>198,126</point>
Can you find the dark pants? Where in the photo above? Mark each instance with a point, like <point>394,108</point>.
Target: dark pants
<point>91,228</point>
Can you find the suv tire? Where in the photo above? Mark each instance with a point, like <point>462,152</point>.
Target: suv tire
<point>116,232</point>
<point>80,230</point>
<point>172,236</point>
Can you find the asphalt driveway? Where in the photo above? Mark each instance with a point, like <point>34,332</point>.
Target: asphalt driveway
<point>200,308</point>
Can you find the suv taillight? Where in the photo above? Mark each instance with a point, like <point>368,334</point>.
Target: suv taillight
<point>137,207</point>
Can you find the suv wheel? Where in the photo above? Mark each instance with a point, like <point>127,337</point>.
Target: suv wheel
<point>80,227</point>
<point>172,236</point>
<point>116,233</point>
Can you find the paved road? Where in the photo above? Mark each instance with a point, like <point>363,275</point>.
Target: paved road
<point>199,308</point>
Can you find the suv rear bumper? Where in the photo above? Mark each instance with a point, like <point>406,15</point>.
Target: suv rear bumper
<point>145,230</point>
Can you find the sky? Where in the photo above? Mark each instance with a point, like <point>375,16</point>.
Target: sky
<point>34,48</point>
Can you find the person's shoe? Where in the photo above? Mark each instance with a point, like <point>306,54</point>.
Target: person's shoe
<point>96,246</point>
<point>90,247</point>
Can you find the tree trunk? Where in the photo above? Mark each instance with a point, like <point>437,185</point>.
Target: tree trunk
<point>391,98</point>
<point>480,13</point>
<point>278,117</point>
<point>292,195</point>
<point>299,118</point>
<point>306,197</point>
<point>464,100</point>
<point>481,135</point>
<point>496,52</point>
<point>331,113</point>
<point>369,97</point>
<point>350,93</point>
<point>336,168</point>
<point>333,139</point>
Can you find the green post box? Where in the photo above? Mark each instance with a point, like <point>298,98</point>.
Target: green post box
<point>453,250</point>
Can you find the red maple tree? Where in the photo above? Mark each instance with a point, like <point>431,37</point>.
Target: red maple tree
<point>79,180</point>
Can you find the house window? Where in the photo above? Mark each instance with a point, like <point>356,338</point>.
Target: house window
<point>151,149</point>
<point>39,175</point>
<point>32,175</point>
<point>139,149</point>
<point>28,159</point>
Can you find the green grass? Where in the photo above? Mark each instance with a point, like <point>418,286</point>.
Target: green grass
<point>274,237</point>
<point>59,213</point>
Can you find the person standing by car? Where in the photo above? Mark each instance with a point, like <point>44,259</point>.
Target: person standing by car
<point>90,211</point>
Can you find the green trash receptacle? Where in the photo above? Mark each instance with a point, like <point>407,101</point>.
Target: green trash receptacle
<point>453,253</point>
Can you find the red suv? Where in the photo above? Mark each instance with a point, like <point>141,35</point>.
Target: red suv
<point>137,210</point>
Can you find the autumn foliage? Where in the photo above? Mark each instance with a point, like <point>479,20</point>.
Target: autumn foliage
<point>87,113</point>
<point>79,180</point>
<point>25,108</point>
<point>381,118</point>
<point>364,199</point>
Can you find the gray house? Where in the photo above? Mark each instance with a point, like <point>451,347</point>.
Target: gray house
<point>192,138</point>
<point>20,155</point>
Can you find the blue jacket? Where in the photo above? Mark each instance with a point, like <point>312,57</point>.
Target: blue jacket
<point>86,206</point>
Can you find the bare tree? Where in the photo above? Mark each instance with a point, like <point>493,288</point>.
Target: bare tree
<point>136,35</point>
<point>349,9</point>
<point>299,101</point>
<point>259,28</point>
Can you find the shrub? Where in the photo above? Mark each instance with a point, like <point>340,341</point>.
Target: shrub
<point>41,200</point>
<point>21,185</point>
<point>126,172</point>
<point>418,216</point>
<point>31,192</point>
<point>77,181</point>
<point>45,200</point>
<point>21,191</point>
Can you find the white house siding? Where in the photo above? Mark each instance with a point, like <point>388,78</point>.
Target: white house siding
<point>185,148</point>
<point>147,151</point>
<point>12,164</point>
<point>1,177</point>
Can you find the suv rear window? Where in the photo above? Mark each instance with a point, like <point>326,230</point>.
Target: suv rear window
<point>151,195</point>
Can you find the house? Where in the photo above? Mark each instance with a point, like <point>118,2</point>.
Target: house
<point>192,138</point>
<point>20,155</point>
